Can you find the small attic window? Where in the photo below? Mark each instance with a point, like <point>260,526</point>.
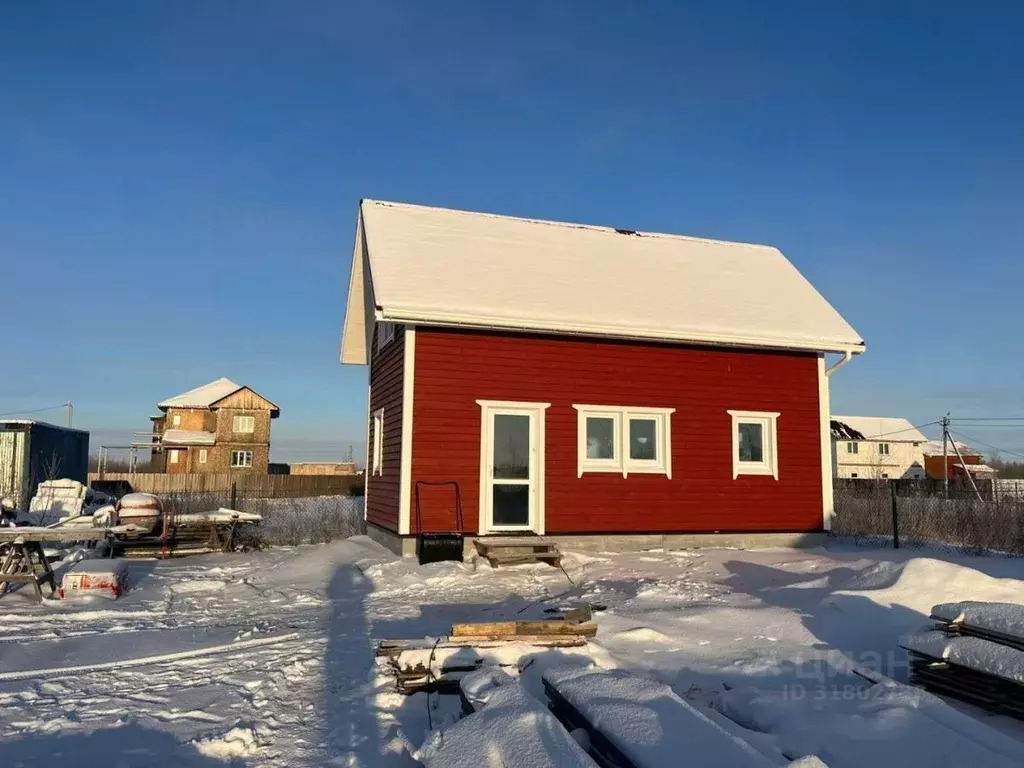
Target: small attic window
<point>385,335</point>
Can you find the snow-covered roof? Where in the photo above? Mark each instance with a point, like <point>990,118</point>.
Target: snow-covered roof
<point>934,448</point>
<point>202,397</point>
<point>435,266</point>
<point>209,395</point>
<point>189,437</point>
<point>885,428</point>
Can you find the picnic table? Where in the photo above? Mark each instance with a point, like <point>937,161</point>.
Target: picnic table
<point>23,561</point>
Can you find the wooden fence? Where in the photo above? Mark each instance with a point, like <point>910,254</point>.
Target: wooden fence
<point>250,486</point>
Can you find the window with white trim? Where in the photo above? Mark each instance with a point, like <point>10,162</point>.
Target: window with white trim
<point>243,424</point>
<point>202,455</point>
<point>754,443</point>
<point>172,455</point>
<point>241,459</point>
<point>176,420</point>
<point>852,447</point>
<point>883,449</point>
<point>378,442</point>
<point>624,439</point>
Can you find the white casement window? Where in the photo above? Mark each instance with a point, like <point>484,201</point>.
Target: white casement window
<point>243,424</point>
<point>852,447</point>
<point>883,449</point>
<point>624,439</point>
<point>754,443</point>
<point>176,420</point>
<point>241,458</point>
<point>378,442</point>
<point>202,455</point>
<point>173,455</point>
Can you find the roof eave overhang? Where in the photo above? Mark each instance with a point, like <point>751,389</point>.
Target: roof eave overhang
<point>420,317</point>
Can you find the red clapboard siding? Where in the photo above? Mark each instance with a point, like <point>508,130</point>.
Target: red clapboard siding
<point>456,368</point>
<point>386,375</point>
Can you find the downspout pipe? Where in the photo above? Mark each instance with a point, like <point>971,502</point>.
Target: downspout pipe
<point>847,357</point>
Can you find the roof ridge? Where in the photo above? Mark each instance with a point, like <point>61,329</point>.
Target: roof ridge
<point>571,224</point>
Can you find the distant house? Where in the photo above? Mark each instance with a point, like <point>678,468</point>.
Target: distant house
<point>972,463</point>
<point>877,448</point>
<point>587,383</point>
<point>218,427</point>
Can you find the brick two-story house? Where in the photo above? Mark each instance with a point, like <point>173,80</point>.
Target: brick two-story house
<point>218,427</point>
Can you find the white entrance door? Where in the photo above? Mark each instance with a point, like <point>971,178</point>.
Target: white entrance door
<point>512,467</point>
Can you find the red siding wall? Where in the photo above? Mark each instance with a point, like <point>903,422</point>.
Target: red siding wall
<point>455,368</point>
<point>386,375</point>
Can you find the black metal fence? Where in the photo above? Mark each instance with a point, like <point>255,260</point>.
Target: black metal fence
<point>918,513</point>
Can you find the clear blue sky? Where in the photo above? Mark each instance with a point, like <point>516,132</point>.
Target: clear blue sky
<point>178,181</point>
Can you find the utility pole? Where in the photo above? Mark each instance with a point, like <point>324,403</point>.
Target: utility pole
<point>945,454</point>
<point>71,409</point>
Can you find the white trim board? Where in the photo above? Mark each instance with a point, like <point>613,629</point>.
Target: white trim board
<point>827,499</point>
<point>408,382</point>
<point>538,413</point>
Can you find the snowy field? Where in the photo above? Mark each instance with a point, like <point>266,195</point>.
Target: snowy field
<point>266,659</point>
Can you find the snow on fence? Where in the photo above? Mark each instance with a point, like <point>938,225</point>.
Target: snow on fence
<point>911,513</point>
<point>287,521</point>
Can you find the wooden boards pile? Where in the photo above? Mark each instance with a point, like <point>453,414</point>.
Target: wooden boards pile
<point>974,652</point>
<point>440,663</point>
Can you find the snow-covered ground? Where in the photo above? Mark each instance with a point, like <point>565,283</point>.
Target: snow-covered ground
<point>266,659</point>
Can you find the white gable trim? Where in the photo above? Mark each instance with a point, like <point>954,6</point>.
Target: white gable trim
<point>355,333</point>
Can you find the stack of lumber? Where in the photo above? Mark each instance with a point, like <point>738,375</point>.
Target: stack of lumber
<point>634,722</point>
<point>973,652</point>
<point>505,726</point>
<point>440,663</point>
<point>516,550</point>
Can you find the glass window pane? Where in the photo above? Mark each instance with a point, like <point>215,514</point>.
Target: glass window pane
<point>511,504</point>
<point>643,444</point>
<point>511,447</point>
<point>600,437</point>
<point>751,442</point>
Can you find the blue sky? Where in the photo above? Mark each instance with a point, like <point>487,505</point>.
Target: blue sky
<point>179,180</point>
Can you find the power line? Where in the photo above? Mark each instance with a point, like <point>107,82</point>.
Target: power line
<point>35,410</point>
<point>898,431</point>
<point>988,418</point>
<point>970,439</point>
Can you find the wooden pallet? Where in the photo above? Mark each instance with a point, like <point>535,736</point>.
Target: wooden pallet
<point>515,550</point>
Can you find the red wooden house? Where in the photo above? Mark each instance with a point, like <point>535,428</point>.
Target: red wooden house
<point>584,382</point>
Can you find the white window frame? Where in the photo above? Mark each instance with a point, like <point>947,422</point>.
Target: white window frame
<point>768,421</point>
<point>886,451</point>
<point>176,420</point>
<point>240,419</point>
<point>378,442</point>
<point>173,455</point>
<point>621,463</point>
<point>245,459</point>
<point>853,447</point>
<point>202,455</point>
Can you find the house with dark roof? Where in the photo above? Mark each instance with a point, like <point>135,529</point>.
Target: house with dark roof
<point>218,427</point>
<point>603,385</point>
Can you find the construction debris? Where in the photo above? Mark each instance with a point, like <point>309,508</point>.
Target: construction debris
<point>974,652</point>
<point>440,663</point>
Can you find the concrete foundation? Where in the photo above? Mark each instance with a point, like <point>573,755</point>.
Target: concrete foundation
<point>406,546</point>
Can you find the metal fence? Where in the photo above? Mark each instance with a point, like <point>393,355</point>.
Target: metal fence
<point>920,514</point>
